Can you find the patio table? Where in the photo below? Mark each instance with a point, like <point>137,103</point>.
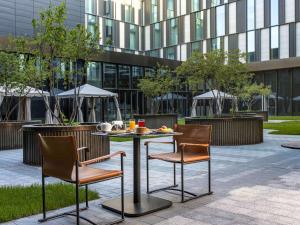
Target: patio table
<point>137,204</point>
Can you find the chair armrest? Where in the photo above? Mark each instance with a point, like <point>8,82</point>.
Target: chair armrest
<point>86,149</point>
<point>158,142</point>
<point>183,145</point>
<point>96,160</point>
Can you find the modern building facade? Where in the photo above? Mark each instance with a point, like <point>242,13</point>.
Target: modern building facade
<point>139,33</point>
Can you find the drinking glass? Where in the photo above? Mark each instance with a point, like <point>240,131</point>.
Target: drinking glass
<point>141,123</point>
<point>131,124</point>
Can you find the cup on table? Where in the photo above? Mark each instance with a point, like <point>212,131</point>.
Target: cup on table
<point>141,123</point>
<point>132,124</point>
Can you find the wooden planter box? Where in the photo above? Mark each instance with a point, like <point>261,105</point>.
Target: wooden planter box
<point>11,136</point>
<point>154,121</point>
<point>98,146</point>
<point>242,130</point>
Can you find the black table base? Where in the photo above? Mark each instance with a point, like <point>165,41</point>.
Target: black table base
<point>147,204</point>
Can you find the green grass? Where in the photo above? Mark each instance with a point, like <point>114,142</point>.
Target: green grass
<point>284,117</point>
<point>18,201</point>
<point>181,121</point>
<point>288,128</point>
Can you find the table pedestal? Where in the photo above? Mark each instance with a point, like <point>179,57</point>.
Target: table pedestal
<point>147,204</point>
<point>137,204</point>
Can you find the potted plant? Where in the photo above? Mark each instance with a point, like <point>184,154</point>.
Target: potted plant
<point>62,54</point>
<point>154,86</point>
<point>223,72</point>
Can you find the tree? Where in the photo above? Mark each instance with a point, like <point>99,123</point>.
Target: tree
<point>56,45</point>
<point>16,69</point>
<point>218,70</point>
<point>252,91</point>
<point>157,84</point>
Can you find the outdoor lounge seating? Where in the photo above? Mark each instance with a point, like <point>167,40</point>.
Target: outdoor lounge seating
<point>61,160</point>
<point>192,147</point>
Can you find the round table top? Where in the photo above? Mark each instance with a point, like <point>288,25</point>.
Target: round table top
<point>131,134</point>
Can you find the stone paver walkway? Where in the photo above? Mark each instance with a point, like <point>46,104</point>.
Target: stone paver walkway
<point>255,184</point>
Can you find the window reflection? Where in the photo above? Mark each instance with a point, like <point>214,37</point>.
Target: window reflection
<point>133,37</point>
<point>94,74</point>
<point>90,6</point>
<point>137,73</point>
<point>109,75</point>
<point>171,53</point>
<point>195,5</point>
<point>251,46</point>
<point>274,12</point>
<point>108,8</point>
<point>170,8</point>
<point>154,11</point>
<point>220,13</point>
<point>199,26</point>
<point>173,31</point>
<point>251,14</point>
<point>91,24</point>
<point>156,36</point>
<point>124,76</point>
<point>274,43</point>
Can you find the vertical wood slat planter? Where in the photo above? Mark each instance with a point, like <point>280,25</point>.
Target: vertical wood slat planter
<point>11,136</point>
<point>154,121</point>
<point>98,146</point>
<point>233,130</point>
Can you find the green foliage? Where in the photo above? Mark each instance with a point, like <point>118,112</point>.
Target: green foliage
<point>54,42</point>
<point>251,91</point>
<point>18,201</point>
<point>218,70</point>
<point>157,84</point>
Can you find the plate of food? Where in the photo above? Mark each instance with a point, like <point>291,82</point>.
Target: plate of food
<point>164,130</point>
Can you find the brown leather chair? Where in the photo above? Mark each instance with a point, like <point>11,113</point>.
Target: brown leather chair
<point>193,146</point>
<point>60,160</point>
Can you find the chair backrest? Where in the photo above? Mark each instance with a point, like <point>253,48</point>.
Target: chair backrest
<point>193,134</point>
<point>59,156</point>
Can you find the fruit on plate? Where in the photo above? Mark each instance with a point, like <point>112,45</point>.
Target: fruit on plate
<point>165,129</point>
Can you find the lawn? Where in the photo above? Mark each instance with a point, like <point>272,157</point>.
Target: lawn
<point>284,117</point>
<point>18,201</point>
<point>289,128</point>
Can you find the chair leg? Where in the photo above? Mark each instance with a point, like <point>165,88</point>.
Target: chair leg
<point>43,196</point>
<point>182,183</point>
<point>209,176</point>
<point>122,197</point>
<point>86,196</point>
<point>147,169</point>
<point>77,204</point>
<point>174,170</point>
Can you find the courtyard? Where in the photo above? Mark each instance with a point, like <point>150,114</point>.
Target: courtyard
<point>253,184</point>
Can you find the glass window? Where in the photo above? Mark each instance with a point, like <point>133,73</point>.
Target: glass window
<point>274,12</point>
<point>173,31</point>
<point>170,8</point>
<point>171,53</point>
<point>94,74</point>
<point>195,5</point>
<point>128,13</point>
<point>274,43</point>
<point>251,46</point>
<point>90,6</point>
<point>154,53</point>
<point>156,36</point>
<point>251,14</point>
<point>91,24</point>
<point>215,2</point>
<point>154,11</point>
<point>199,26</point>
<point>124,76</point>
<point>137,73</point>
<point>133,37</point>
<point>296,91</point>
<point>196,46</point>
<point>108,8</point>
<point>108,32</point>
<point>149,71</point>
<point>215,43</point>
<point>271,80</point>
<point>220,14</point>
<point>284,98</point>
<point>109,75</point>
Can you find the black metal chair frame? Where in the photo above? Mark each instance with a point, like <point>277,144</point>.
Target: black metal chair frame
<point>175,185</point>
<point>76,212</point>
